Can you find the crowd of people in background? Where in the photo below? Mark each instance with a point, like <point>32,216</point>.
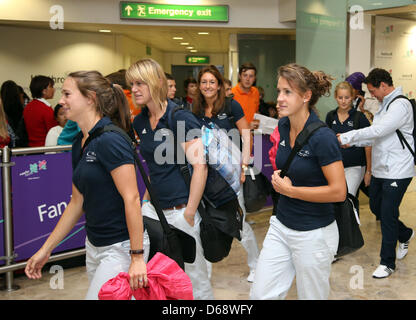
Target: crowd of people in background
<point>357,150</point>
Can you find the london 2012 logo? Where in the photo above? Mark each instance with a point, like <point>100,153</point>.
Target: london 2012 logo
<point>34,169</point>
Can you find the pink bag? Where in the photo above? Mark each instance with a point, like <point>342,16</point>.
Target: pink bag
<point>275,139</point>
<point>166,281</point>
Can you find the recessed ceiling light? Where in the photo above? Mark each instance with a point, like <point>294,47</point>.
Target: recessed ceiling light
<point>177,38</point>
<point>189,47</point>
<point>193,50</point>
<point>203,32</point>
<point>184,43</point>
<point>104,30</point>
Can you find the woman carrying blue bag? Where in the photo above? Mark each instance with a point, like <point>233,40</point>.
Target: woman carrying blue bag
<point>211,107</point>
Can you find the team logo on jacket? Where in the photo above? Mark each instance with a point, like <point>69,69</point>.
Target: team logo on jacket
<point>91,156</point>
<point>222,116</point>
<point>144,131</point>
<point>350,123</point>
<point>164,132</point>
<point>304,153</point>
<point>283,144</point>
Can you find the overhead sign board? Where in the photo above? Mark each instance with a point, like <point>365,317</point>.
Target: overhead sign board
<point>197,59</point>
<point>155,11</point>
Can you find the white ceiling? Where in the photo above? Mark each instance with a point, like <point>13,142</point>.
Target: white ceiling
<point>217,41</point>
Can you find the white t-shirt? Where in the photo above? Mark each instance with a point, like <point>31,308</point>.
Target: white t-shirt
<point>52,136</point>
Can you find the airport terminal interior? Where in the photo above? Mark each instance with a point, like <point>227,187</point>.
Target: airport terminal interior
<point>340,37</point>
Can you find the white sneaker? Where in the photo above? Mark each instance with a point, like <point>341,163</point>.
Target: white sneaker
<point>382,271</point>
<point>403,248</point>
<point>250,277</point>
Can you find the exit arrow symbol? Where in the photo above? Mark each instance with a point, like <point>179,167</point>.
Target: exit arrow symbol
<point>128,9</point>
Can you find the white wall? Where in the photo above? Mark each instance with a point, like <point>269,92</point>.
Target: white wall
<point>287,10</point>
<point>359,50</point>
<point>395,51</point>
<point>57,53</point>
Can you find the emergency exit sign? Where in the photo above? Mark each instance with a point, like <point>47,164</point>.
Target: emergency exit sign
<point>197,60</point>
<point>155,11</point>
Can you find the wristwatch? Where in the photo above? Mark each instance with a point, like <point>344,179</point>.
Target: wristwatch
<point>140,251</point>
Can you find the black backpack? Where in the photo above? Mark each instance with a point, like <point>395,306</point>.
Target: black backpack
<point>403,141</point>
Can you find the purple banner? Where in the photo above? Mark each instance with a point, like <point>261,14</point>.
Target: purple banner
<point>42,187</point>
<point>1,222</point>
<point>141,185</point>
<point>266,167</point>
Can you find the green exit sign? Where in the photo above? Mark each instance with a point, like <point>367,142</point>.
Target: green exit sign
<point>197,60</point>
<point>155,11</point>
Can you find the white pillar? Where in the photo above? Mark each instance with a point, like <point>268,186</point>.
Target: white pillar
<point>233,59</point>
<point>360,46</point>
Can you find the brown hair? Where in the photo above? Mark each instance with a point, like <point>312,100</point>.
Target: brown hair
<point>302,80</point>
<point>3,123</point>
<point>110,100</point>
<point>199,105</point>
<point>247,66</point>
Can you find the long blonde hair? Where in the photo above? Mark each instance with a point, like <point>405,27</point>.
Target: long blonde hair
<point>151,73</point>
<point>3,123</point>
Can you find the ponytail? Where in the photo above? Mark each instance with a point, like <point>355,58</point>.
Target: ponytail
<point>110,99</point>
<point>302,80</point>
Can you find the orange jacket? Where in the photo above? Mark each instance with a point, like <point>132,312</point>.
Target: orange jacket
<point>133,110</point>
<point>249,101</point>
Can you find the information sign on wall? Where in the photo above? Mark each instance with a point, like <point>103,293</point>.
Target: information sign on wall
<point>156,11</point>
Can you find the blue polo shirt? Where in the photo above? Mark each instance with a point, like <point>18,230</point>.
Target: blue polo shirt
<point>157,148</point>
<point>305,170</point>
<point>103,204</point>
<point>227,121</point>
<point>353,156</point>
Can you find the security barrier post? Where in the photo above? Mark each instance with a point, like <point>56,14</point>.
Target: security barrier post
<point>8,218</point>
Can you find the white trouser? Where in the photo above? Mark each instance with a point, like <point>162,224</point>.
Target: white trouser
<point>105,263</point>
<point>248,239</point>
<point>354,176</point>
<point>287,253</point>
<point>196,271</point>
